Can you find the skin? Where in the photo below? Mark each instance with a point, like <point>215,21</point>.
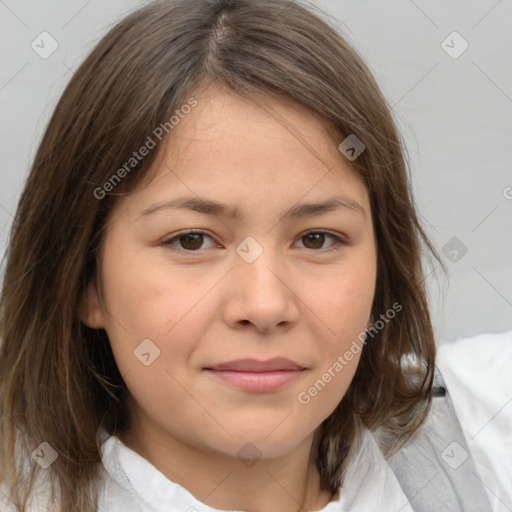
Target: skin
<point>303,299</point>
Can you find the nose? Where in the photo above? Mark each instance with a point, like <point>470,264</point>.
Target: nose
<point>261,295</point>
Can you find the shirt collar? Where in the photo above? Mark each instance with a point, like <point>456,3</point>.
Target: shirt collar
<point>370,483</point>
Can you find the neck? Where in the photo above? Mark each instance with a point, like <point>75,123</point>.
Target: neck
<point>289,483</point>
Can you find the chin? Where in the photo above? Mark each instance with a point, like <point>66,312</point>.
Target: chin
<point>264,440</point>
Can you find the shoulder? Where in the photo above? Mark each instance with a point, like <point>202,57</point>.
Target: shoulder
<point>5,502</point>
<point>477,350</point>
<point>36,503</point>
<point>39,499</point>
<point>478,370</point>
<point>478,375</point>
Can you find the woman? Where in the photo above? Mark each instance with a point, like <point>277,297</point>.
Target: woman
<point>214,280</point>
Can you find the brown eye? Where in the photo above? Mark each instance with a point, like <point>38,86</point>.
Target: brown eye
<point>316,240</point>
<point>190,241</point>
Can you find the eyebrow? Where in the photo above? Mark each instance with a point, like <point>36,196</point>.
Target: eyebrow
<point>210,207</point>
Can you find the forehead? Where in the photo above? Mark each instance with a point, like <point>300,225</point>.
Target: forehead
<point>264,152</point>
<point>225,120</point>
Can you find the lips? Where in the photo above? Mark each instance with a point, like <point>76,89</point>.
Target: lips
<point>253,365</point>
<point>257,376</point>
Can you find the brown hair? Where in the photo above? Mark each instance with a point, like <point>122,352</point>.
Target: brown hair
<point>58,379</point>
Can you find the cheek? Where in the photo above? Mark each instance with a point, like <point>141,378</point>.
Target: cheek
<point>343,302</point>
<point>321,394</point>
<point>344,305</point>
<point>149,301</point>
<point>149,296</point>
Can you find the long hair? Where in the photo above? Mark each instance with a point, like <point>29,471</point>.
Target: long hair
<point>59,382</point>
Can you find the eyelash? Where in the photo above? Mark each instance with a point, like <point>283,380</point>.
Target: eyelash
<point>168,242</point>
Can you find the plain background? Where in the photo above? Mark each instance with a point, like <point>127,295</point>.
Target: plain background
<point>453,107</point>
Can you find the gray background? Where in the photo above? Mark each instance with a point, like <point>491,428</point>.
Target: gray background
<point>454,112</point>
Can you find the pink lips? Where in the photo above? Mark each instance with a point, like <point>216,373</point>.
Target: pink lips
<point>259,376</point>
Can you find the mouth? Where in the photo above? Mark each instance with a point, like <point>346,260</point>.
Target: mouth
<point>257,376</point>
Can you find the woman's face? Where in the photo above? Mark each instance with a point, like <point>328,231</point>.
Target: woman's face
<point>180,310</point>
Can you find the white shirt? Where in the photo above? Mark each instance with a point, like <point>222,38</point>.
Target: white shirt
<point>134,485</point>
<point>478,374</point>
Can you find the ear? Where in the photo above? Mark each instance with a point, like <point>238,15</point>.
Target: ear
<point>90,310</point>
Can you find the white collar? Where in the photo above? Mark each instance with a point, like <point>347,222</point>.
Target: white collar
<point>135,484</point>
